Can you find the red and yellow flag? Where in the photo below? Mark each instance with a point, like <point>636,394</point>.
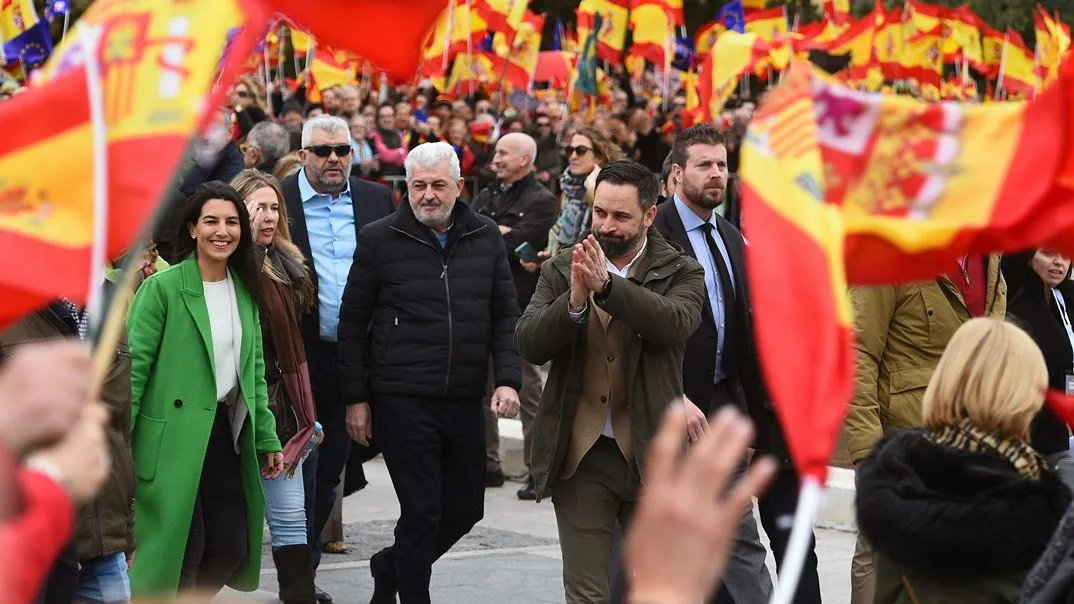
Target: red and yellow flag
<point>734,55</point>
<point>521,58</point>
<point>612,35</point>
<point>468,76</point>
<point>768,24</point>
<point>501,16</point>
<point>155,79</point>
<point>922,57</point>
<point>331,68</point>
<point>649,19</point>
<point>882,189</point>
<point>705,38</point>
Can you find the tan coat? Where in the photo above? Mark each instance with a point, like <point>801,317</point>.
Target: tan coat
<point>901,332</point>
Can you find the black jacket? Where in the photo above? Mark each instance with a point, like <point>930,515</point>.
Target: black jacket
<point>1034,309</point>
<point>950,521</point>
<point>371,201</point>
<point>740,364</point>
<point>422,320</point>
<point>529,209</point>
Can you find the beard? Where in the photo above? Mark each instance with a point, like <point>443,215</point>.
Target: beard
<point>616,246</point>
<point>436,219</point>
<point>709,197</point>
<point>333,183</point>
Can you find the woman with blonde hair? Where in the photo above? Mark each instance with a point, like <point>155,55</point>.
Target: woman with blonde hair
<point>960,510</point>
<point>286,290</point>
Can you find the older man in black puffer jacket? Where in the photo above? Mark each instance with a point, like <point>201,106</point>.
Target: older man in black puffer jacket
<point>428,300</point>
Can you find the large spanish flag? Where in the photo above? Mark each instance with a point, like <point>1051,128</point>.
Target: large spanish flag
<point>803,317</point>
<point>734,55</point>
<point>892,189</point>
<point>517,54</point>
<point>156,71</point>
<point>652,27</point>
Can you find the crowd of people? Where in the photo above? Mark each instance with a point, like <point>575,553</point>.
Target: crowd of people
<point>387,272</point>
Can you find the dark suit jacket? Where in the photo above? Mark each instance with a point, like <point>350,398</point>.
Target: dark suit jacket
<point>740,364</point>
<point>371,201</point>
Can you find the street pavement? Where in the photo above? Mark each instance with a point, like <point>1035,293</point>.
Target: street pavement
<point>511,557</point>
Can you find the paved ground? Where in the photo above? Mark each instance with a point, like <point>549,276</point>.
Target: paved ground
<point>511,557</point>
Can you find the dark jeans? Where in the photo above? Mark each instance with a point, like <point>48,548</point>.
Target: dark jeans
<point>778,501</point>
<point>61,584</point>
<point>323,467</point>
<point>217,544</point>
<point>435,452</point>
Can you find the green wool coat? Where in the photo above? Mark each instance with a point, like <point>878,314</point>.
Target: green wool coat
<point>173,405</point>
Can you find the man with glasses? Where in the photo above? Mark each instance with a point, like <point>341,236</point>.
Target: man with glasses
<point>327,208</point>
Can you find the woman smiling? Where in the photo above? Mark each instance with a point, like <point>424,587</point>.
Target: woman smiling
<point>199,415</point>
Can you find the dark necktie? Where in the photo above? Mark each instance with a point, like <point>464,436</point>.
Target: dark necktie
<point>728,292</point>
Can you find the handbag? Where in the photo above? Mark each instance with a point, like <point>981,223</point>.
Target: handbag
<point>280,406</point>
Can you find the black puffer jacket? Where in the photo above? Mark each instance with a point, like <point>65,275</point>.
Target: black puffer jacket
<point>420,320</point>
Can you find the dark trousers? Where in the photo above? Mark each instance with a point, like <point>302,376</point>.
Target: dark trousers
<point>217,544</point>
<point>435,452</point>
<point>61,584</point>
<point>780,500</point>
<point>323,467</point>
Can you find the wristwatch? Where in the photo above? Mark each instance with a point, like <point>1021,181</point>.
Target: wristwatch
<point>605,289</point>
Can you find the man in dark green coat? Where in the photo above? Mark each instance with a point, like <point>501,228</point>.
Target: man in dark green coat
<point>613,316</point>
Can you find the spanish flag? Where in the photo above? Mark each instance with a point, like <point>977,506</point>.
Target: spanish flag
<point>735,54</point>
<point>889,41</point>
<point>652,27</point>
<point>965,28</point>
<point>1018,75</point>
<point>992,43</point>
<point>469,76</point>
<point>705,38</point>
<point>521,57</point>
<point>155,80</point>
<point>612,35</point>
<point>768,24</point>
<point>1053,43</point>
<point>301,42</point>
<point>331,68</point>
<point>892,189</point>
<point>501,16</point>
<point>922,58</point>
<point>796,242</point>
<point>448,36</point>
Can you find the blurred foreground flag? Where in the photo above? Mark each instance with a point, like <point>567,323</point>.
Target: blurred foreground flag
<point>843,186</point>
<point>157,60</point>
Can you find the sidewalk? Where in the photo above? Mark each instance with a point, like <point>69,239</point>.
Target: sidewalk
<point>511,557</point>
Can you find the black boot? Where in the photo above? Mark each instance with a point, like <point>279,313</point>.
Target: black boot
<point>384,579</point>
<point>294,569</point>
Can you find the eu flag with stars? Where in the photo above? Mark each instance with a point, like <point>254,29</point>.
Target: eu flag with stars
<point>32,47</point>
<point>733,15</point>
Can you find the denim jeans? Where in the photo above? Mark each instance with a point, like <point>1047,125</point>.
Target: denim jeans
<point>285,509</point>
<point>104,580</point>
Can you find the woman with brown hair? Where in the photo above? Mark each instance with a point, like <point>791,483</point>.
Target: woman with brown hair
<point>286,290</point>
<point>588,150</point>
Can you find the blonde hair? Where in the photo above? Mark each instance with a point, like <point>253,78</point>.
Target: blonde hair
<point>993,374</point>
<point>256,89</point>
<point>288,166</point>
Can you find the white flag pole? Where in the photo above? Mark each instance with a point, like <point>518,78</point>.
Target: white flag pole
<point>89,39</point>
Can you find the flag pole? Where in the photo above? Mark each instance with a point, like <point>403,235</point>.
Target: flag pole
<point>66,22</point>
<point>809,500</point>
<point>1002,65</point>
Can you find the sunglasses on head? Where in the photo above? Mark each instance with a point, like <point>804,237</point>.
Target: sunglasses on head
<point>580,150</point>
<point>341,151</point>
<point>244,94</point>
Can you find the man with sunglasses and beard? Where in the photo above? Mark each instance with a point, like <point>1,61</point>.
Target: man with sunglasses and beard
<point>327,208</point>
<point>612,314</point>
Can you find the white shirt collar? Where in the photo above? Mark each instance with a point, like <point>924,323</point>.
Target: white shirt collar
<point>626,269</point>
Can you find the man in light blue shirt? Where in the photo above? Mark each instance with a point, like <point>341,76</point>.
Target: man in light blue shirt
<point>326,208</point>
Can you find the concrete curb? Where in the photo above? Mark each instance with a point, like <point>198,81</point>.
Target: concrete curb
<point>836,512</point>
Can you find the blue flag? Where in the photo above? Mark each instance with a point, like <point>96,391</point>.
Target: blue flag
<point>733,15</point>
<point>557,36</point>
<point>32,47</point>
<point>56,8</point>
<point>485,44</point>
<point>684,53</point>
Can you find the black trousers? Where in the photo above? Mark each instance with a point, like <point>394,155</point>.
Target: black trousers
<point>323,467</point>
<point>435,452</point>
<point>61,584</point>
<point>780,500</point>
<point>217,544</point>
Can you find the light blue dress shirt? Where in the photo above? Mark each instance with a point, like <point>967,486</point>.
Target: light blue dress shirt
<point>333,241</point>
<point>712,281</point>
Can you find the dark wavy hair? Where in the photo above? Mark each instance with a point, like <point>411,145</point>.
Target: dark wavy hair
<point>241,262</point>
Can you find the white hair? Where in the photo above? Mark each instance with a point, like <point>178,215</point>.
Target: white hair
<point>429,155</point>
<point>271,139</point>
<point>329,124</point>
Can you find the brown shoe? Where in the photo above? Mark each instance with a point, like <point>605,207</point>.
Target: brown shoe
<point>335,547</point>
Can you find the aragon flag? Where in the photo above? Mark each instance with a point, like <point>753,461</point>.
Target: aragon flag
<point>158,60</point>
<point>882,189</point>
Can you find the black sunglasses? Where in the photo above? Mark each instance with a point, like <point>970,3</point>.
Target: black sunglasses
<point>243,94</point>
<point>341,151</point>
<point>580,149</point>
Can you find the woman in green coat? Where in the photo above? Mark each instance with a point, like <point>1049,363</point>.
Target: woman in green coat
<point>199,418</point>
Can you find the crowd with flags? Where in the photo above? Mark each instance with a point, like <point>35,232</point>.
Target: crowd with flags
<point>294,251</point>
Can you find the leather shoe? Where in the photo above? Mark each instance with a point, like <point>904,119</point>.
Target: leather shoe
<point>322,596</point>
<point>384,587</point>
<point>494,478</point>
<point>528,492</point>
